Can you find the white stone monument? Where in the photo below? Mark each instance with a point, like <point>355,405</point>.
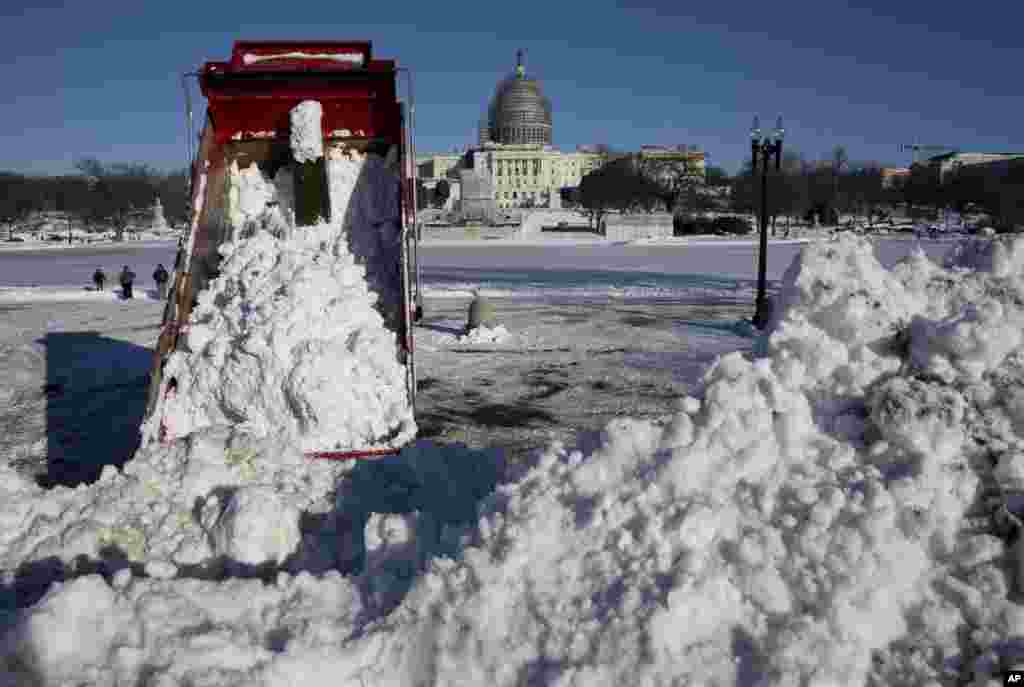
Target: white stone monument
<point>554,199</point>
<point>159,221</point>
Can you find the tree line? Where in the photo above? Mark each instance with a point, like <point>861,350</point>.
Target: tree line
<point>837,186</point>
<point>631,182</point>
<point>100,196</point>
<point>803,190</point>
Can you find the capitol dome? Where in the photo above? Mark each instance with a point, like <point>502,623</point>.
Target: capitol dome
<point>519,113</point>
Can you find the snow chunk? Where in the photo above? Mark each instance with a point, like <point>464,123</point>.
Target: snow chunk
<point>969,344</point>
<point>249,192</point>
<point>920,417</point>
<point>71,629</point>
<point>840,288</point>
<point>307,139</point>
<point>257,526</point>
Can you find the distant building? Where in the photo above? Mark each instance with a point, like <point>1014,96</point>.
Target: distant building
<point>435,167</point>
<point>515,156</point>
<point>948,163</point>
<point>890,175</point>
<point>519,113</point>
<point>693,159</point>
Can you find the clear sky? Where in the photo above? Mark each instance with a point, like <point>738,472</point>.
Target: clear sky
<point>102,78</point>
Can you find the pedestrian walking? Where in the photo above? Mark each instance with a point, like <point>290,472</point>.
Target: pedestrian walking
<point>127,277</point>
<point>98,278</point>
<point>160,276</point>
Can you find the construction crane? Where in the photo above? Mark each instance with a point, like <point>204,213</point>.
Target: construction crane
<point>915,148</point>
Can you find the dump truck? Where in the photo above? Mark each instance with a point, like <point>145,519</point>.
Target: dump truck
<point>249,99</point>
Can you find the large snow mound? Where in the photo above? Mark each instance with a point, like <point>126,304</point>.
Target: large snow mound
<point>288,339</point>
<point>809,518</point>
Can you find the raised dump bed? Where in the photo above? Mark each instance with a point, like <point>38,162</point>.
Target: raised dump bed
<point>306,141</point>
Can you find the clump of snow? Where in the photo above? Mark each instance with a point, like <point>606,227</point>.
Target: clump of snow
<point>802,520</point>
<point>70,632</point>
<point>306,136</point>
<point>256,526</point>
<point>249,201</point>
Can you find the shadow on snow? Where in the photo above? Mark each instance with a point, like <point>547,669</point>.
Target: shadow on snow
<point>95,400</point>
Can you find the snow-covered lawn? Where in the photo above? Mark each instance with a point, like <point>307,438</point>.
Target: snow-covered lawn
<point>825,512</point>
<point>89,243</point>
<point>86,294</point>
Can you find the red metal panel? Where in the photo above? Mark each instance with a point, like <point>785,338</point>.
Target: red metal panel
<point>243,103</point>
<point>246,117</point>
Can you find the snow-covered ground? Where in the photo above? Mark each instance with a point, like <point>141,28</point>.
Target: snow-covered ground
<point>80,239</point>
<point>818,514</point>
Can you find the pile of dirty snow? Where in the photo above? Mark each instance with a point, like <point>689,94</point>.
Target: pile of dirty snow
<point>216,494</point>
<point>818,516</point>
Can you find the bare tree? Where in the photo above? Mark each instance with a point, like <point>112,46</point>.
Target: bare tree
<point>679,180</point>
<point>789,191</point>
<point>618,185</point>
<point>839,160</point>
<point>864,189</point>
<point>16,200</point>
<point>121,190</point>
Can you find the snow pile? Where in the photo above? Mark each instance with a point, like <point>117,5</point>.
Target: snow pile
<point>215,494</point>
<point>288,339</point>
<point>801,521</point>
<point>184,623</point>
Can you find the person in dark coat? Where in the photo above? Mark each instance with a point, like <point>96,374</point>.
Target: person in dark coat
<point>160,276</point>
<point>127,277</point>
<point>98,278</point>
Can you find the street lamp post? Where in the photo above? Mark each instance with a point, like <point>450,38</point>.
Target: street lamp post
<point>762,148</point>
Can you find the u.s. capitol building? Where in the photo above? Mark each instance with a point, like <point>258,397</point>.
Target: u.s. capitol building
<point>514,163</point>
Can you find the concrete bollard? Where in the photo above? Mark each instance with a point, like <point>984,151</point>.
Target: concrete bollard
<point>481,313</point>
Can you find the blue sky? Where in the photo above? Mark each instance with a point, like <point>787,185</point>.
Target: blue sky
<point>101,78</point>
